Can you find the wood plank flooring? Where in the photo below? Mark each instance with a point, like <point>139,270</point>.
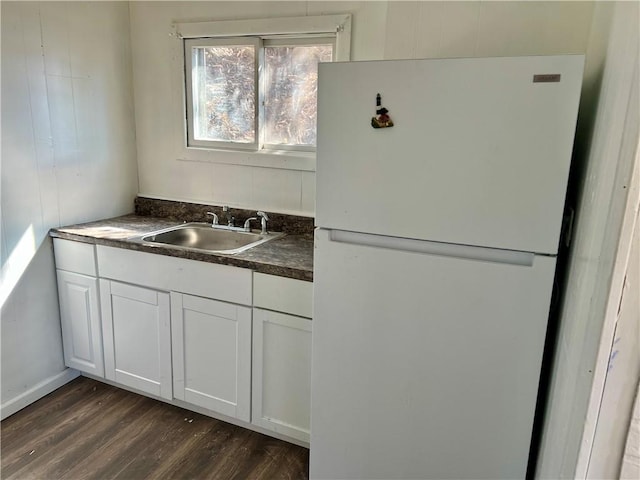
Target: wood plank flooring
<point>90,430</point>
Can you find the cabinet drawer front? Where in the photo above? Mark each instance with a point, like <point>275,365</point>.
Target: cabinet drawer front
<point>75,256</point>
<point>283,294</point>
<point>210,280</point>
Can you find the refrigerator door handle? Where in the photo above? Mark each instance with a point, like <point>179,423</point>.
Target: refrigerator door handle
<point>511,257</point>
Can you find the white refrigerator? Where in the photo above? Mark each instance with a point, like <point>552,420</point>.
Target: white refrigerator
<point>435,254</point>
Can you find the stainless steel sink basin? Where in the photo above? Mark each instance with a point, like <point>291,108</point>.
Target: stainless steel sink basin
<point>204,237</point>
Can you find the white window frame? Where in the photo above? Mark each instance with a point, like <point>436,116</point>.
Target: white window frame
<point>335,26</point>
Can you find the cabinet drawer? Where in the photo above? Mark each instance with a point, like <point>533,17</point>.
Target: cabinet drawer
<point>203,279</point>
<point>283,294</point>
<point>75,256</point>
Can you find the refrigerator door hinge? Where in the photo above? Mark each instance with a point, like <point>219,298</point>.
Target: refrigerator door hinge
<point>567,227</point>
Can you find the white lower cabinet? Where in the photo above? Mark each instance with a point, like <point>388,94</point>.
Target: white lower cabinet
<point>211,343</point>
<point>282,373</point>
<point>137,337</point>
<point>205,346</point>
<point>80,317</point>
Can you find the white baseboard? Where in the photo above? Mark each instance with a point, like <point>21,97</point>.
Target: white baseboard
<point>37,392</point>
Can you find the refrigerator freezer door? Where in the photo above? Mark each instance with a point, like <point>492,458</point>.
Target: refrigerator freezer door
<point>424,365</point>
<point>479,152</point>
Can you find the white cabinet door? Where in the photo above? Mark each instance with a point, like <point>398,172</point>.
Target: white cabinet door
<point>137,337</point>
<point>282,373</point>
<point>211,343</point>
<point>80,316</point>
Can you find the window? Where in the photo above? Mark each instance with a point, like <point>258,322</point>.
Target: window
<point>221,91</point>
<point>290,92</point>
<point>257,91</point>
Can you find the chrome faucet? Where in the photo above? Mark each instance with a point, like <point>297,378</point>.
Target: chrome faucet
<point>263,221</point>
<point>215,218</point>
<point>247,224</point>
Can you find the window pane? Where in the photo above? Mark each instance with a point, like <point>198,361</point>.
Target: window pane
<point>223,83</point>
<point>291,75</point>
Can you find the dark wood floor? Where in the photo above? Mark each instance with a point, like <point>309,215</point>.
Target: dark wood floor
<point>88,429</point>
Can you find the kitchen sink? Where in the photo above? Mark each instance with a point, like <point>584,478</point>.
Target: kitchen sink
<point>204,237</point>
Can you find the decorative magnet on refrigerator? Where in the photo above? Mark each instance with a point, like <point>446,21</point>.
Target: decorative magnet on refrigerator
<point>383,120</point>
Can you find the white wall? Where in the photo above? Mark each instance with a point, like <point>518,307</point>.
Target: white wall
<point>622,360</point>
<point>630,469</point>
<point>381,30</point>
<point>609,156</point>
<point>483,29</point>
<point>157,60</point>
<point>68,155</point>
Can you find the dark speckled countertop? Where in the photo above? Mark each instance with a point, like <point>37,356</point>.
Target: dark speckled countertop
<point>289,256</point>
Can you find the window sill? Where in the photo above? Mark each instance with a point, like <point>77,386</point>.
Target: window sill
<point>280,159</point>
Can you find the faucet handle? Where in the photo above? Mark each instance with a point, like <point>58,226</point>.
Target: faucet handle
<point>215,218</point>
<point>247,223</point>
<point>263,221</point>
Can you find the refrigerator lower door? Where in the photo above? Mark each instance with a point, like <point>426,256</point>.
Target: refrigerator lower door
<point>426,358</point>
